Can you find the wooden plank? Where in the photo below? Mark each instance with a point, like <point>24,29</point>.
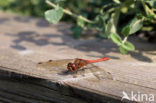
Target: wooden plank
<point>31,90</point>
<point>24,44</point>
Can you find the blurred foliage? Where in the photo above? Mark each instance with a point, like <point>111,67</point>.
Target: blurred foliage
<point>113,19</point>
<point>88,8</point>
<point>37,7</point>
<point>25,7</point>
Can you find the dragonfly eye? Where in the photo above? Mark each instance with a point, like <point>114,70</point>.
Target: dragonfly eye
<point>71,67</point>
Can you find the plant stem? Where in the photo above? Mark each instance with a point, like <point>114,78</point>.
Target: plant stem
<point>70,13</point>
<point>125,39</point>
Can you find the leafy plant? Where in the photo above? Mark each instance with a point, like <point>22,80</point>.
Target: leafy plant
<point>108,19</point>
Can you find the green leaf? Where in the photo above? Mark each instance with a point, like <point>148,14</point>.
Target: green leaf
<point>152,3</point>
<point>122,50</point>
<point>101,25</point>
<point>35,2</point>
<point>77,30</point>
<point>112,23</point>
<point>80,22</point>
<point>117,1</point>
<point>54,15</point>
<point>116,38</point>
<point>125,31</point>
<point>128,46</point>
<point>102,34</point>
<point>135,25</point>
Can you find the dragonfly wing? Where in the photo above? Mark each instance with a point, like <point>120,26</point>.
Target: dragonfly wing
<point>99,72</point>
<point>54,65</point>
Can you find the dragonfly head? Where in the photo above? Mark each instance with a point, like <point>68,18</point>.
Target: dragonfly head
<point>71,67</point>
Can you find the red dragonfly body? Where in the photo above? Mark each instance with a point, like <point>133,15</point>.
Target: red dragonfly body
<point>79,63</point>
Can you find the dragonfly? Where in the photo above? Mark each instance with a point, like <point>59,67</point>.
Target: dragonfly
<point>75,67</point>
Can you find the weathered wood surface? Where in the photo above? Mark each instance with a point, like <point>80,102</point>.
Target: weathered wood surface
<point>16,89</point>
<point>25,41</point>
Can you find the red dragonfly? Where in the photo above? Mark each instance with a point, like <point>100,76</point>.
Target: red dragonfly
<point>74,65</point>
<point>79,63</point>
